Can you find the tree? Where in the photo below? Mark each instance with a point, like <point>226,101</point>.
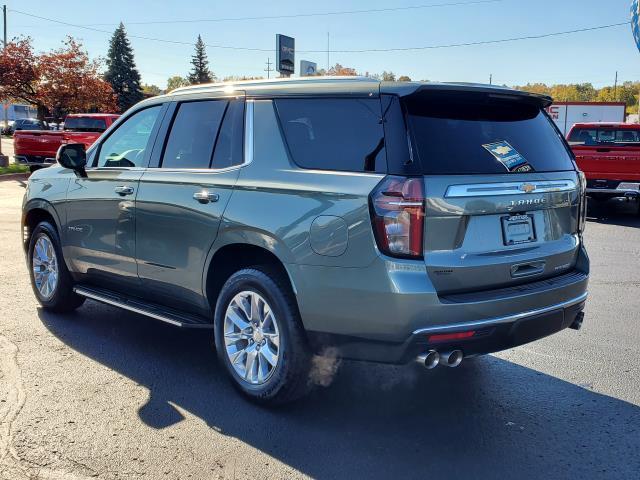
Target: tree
<point>151,90</point>
<point>176,82</point>
<point>121,70</point>
<point>388,76</point>
<point>58,82</point>
<point>339,70</point>
<point>200,72</point>
<point>404,78</point>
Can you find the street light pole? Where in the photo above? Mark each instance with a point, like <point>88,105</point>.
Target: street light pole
<point>4,160</point>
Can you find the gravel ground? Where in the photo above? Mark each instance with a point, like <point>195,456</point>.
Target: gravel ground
<point>109,394</point>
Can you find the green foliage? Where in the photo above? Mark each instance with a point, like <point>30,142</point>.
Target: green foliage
<point>151,90</point>
<point>121,70</point>
<point>200,72</point>
<point>176,82</point>
<point>13,168</point>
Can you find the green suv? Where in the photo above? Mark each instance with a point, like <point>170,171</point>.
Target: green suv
<point>388,222</point>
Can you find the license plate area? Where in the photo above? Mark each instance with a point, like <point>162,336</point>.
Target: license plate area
<point>517,229</point>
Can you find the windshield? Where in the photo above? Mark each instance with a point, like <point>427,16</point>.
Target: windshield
<point>598,136</point>
<point>85,124</point>
<point>457,133</point>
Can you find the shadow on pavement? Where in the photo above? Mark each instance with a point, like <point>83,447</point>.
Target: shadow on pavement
<point>614,212</point>
<point>487,418</point>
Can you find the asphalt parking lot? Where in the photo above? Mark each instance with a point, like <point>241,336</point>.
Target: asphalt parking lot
<point>109,394</point>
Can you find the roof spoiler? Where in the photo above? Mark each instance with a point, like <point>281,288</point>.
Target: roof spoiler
<point>412,88</point>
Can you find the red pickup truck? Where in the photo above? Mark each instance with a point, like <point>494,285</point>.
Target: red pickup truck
<point>38,148</point>
<point>609,156</point>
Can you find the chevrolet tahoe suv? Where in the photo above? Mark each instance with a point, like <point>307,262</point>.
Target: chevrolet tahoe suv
<point>387,222</point>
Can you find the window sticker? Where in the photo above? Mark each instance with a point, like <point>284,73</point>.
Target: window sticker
<point>508,156</point>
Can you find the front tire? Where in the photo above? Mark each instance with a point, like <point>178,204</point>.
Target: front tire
<point>50,279</point>
<point>259,337</point>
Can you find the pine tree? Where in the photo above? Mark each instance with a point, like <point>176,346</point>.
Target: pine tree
<point>200,72</point>
<point>121,70</point>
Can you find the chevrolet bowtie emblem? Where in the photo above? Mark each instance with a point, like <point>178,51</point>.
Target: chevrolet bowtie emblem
<point>502,150</point>
<point>527,187</point>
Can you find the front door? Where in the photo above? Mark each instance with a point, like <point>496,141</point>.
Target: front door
<point>100,209</point>
<point>181,200</point>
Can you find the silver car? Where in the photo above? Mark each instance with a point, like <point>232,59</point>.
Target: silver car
<point>389,222</point>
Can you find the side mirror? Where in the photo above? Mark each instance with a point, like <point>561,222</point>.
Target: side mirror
<point>74,157</point>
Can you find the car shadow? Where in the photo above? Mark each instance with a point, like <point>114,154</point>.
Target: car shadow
<point>487,418</point>
<point>614,212</point>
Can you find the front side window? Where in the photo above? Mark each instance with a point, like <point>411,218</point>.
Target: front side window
<point>334,134</point>
<point>193,134</point>
<point>126,146</point>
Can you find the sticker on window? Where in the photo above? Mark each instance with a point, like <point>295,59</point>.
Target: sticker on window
<point>509,157</point>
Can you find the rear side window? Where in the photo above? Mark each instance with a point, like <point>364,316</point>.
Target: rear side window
<point>193,134</point>
<point>456,133</point>
<point>334,134</point>
<point>229,147</point>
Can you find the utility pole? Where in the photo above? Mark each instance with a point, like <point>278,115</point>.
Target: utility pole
<point>268,69</point>
<point>4,160</point>
<point>328,65</point>
<point>615,88</point>
<point>491,79</point>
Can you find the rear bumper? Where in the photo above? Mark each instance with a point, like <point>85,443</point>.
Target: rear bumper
<point>490,335</point>
<point>32,160</point>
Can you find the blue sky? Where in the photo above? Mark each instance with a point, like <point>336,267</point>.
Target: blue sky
<point>583,57</point>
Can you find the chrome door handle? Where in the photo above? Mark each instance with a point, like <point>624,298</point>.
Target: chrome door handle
<point>123,190</point>
<point>204,196</point>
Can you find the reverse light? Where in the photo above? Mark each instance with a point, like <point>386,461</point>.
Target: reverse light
<point>397,213</point>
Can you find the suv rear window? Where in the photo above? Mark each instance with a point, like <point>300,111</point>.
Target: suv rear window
<point>334,134</point>
<point>456,133</point>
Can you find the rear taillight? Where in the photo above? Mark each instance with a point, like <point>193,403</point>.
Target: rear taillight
<point>582,208</point>
<point>397,212</point>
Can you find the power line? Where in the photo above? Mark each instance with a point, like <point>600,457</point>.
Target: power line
<point>363,50</point>
<point>313,14</point>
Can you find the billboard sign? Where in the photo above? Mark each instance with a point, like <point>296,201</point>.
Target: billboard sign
<point>308,69</point>
<point>285,56</point>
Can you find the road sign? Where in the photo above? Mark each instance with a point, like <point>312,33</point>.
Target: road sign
<point>635,21</point>
<point>285,57</point>
<point>307,68</point>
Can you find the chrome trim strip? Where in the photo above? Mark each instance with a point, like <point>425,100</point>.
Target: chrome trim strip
<point>620,192</point>
<point>499,320</point>
<point>109,301</point>
<point>248,132</point>
<point>508,188</point>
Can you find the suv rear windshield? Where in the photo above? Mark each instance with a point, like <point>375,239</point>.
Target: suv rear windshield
<point>457,133</point>
<point>85,124</point>
<point>597,136</point>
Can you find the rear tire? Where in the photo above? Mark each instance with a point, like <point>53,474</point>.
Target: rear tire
<point>279,373</point>
<point>51,281</point>
<point>34,168</point>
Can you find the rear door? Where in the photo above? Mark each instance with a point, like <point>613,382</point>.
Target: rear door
<point>181,199</point>
<point>501,190</point>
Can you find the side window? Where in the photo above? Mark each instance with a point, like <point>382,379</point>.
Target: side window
<point>229,147</point>
<point>126,146</point>
<point>193,134</point>
<point>334,134</point>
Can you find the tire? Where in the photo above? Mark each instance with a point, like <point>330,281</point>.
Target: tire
<point>288,380</point>
<point>57,296</point>
<point>34,168</point>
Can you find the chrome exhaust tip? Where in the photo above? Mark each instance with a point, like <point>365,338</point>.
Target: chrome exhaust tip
<point>452,358</point>
<point>429,360</point>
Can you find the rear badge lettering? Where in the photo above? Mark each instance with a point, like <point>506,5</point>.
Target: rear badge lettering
<point>508,157</point>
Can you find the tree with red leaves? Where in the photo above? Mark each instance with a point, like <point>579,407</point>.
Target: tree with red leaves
<point>62,81</point>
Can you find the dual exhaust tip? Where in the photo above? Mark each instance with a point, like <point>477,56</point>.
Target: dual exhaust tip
<point>433,358</point>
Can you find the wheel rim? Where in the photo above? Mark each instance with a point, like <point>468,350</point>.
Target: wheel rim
<point>251,337</point>
<point>45,266</point>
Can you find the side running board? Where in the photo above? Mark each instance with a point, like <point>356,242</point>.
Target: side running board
<point>164,314</point>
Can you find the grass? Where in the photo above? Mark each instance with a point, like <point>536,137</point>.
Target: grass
<point>13,168</point>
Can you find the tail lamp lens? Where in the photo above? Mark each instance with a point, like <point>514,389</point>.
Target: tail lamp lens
<point>582,209</point>
<point>397,211</point>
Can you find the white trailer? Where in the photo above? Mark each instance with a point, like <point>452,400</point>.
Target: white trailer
<point>565,114</point>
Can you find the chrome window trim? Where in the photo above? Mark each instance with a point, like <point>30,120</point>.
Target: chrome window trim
<point>500,320</point>
<point>248,132</point>
<point>508,188</point>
